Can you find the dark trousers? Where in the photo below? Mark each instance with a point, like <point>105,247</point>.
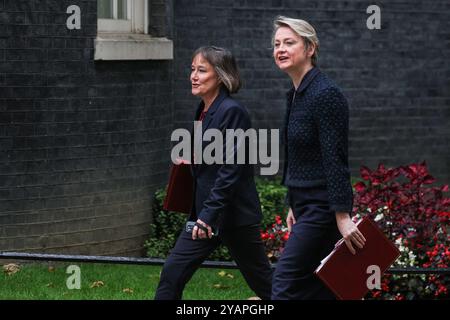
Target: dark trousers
<point>312,238</point>
<point>245,246</point>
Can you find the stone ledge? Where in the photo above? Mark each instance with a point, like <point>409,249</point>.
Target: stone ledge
<point>117,46</point>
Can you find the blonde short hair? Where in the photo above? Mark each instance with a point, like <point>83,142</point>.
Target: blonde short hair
<point>303,29</point>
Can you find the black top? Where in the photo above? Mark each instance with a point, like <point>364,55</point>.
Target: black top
<point>225,194</point>
<point>316,131</point>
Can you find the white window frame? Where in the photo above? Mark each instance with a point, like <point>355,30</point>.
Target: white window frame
<point>136,22</point>
<point>120,39</point>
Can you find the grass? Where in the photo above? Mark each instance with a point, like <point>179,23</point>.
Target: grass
<point>115,282</point>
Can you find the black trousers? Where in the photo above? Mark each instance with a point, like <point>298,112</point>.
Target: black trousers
<point>312,238</point>
<point>245,246</point>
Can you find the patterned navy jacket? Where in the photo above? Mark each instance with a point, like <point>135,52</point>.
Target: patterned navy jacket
<point>316,139</point>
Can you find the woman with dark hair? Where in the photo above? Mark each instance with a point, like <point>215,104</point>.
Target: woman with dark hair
<point>226,206</point>
<point>316,165</point>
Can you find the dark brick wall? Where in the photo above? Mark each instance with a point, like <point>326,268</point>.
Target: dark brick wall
<point>397,79</point>
<point>81,141</point>
<point>160,18</point>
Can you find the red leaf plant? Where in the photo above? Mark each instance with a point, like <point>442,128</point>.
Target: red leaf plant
<point>415,215</point>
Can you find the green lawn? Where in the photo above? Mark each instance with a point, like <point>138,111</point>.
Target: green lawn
<point>106,281</point>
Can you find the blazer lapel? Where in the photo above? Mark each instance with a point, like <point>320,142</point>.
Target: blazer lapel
<point>289,97</point>
<point>309,77</point>
<point>223,93</point>
<point>213,108</point>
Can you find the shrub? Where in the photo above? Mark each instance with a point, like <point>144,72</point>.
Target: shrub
<point>165,228</point>
<point>415,216</point>
<point>272,197</point>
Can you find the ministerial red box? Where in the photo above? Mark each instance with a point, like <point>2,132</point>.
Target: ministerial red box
<point>180,190</point>
<point>347,275</point>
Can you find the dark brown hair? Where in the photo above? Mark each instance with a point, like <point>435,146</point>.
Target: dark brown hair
<point>224,64</point>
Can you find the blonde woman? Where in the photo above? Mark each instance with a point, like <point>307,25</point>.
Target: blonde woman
<point>316,165</point>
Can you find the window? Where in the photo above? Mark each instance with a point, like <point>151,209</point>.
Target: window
<point>122,31</point>
<point>122,16</point>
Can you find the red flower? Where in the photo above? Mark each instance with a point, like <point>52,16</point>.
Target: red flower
<point>278,220</point>
<point>274,239</point>
<point>365,173</point>
<point>359,187</point>
<point>376,294</point>
<point>399,296</point>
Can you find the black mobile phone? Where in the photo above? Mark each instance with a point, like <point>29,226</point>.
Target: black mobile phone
<point>190,226</point>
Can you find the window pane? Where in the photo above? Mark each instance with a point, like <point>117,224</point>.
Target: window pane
<point>105,9</point>
<point>122,9</point>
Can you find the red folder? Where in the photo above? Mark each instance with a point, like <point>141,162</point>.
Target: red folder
<point>180,190</point>
<point>346,274</point>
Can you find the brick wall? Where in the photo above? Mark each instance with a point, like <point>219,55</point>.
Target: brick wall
<point>81,140</point>
<point>397,79</point>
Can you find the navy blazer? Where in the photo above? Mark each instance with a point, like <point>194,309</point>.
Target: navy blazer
<point>225,194</point>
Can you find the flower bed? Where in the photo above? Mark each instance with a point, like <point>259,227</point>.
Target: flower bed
<point>415,215</point>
